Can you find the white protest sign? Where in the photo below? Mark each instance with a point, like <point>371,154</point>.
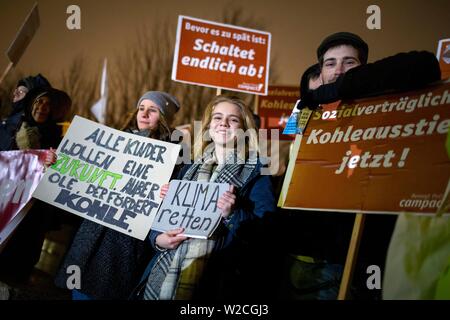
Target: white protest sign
<point>191,205</point>
<point>108,176</point>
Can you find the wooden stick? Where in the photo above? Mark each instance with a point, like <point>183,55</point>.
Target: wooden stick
<point>352,255</point>
<point>219,91</point>
<point>5,73</point>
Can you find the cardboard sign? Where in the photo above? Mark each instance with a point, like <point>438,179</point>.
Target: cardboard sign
<point>443,55</point>
<point>275,108</point>
<point>383,155</point>
<point>20,173</point>
<point>221,56</point>
<point>191,205</point>
<point>109,176</point>
<point>24,36</point>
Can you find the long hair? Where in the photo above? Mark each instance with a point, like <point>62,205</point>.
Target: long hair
<point>162,131</point>
<point>203,138</point>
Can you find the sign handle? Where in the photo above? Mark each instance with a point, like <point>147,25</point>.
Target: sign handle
<point>5,73</point>
<point>352,255</point>
<point>255,109</point>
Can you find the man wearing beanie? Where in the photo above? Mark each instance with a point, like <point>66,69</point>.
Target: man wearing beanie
<point>347,75</point>
<point>324,238</point>
<point>339,53</point>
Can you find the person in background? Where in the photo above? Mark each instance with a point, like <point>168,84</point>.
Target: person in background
<point>44,107</point>
<point>398,73</point>
<point>111,262</point>
<point>310,80</point>
<point>12,123</point>
<point>323,239</point>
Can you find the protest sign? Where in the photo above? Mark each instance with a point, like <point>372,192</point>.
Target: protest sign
<point>275,108</point>
<point>191,205</point>
<point>22,39</point>
<point>24,35</point>
<point>108,176</point>
<point>20,173</point>
<point>443,55</point>
<point>384,154</point>
<point>221,56</point>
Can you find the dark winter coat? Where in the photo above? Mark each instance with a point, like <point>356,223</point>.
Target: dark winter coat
<point>111,262</point>
<point>234,270</point>
<point>326,236</point>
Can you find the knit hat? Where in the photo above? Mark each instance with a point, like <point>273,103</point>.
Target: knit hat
<point>342,38</point>
<point>60,102</point>
<point>33,82</point>
<point>168,105</point>
<point>312,72</point>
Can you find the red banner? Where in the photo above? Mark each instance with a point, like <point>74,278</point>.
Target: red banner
<point>275,108</point>
<point>20,173</point>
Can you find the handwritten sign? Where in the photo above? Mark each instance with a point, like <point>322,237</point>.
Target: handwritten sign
<point>109,176</point>
<point>191,205</point>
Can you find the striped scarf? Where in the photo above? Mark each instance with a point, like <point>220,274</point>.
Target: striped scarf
<point>176,273</point>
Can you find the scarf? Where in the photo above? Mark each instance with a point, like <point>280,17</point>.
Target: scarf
<point>176,273</point>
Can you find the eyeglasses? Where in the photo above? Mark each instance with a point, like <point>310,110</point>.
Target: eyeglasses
<point>20,91</point>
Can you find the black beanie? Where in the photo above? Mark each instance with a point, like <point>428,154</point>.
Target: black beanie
<point>342,38</point>
<point>33,82</point>
<point>311,73</point>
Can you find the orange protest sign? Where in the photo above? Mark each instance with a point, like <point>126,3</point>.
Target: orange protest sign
<point>443,55</point>
<point>275,108</point>
<point>385,154</point>
<point>221,56</point>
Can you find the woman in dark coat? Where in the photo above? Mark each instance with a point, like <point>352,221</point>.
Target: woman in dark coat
<point>38,130</point>
<point>24,93</point>
<point>218,267</point>
<point>111,262</point>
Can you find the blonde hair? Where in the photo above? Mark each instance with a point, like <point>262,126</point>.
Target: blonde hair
<point>248,126</point>
<point>162,132</point>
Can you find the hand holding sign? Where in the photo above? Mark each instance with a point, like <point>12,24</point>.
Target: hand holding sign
<point>163,191</point>
<point>170,239</point>
<point>50,157</point>
<point>226,202</point>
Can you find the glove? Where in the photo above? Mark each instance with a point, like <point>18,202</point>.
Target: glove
<point>28,137</point>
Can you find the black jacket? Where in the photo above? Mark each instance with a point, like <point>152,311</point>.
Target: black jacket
<point>10,126</point>
<point>325,235</point>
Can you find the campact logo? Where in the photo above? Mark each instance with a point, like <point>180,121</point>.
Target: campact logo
<point>422,202</point>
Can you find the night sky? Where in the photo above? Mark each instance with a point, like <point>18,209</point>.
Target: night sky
<point>297,28</point>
